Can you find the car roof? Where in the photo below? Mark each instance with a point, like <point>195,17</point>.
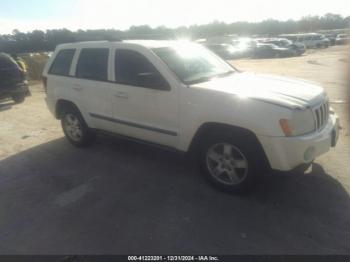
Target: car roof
<point>150,44</point>
<point>275,39</point>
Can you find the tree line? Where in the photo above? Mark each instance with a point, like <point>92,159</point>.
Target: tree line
<point>39,41</point>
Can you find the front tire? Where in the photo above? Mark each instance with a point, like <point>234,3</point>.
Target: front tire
<point>231,163</point>
<point>18,98</point>
<point>75,129</point>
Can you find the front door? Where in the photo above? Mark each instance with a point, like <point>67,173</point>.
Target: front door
<point>145,104</point>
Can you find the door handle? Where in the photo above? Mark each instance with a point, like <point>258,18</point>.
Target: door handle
<point>122,95</point>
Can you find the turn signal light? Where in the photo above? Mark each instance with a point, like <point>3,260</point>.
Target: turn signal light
<point>285,127</point>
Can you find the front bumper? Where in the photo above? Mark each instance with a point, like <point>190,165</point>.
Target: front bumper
<point>23,88</point>
<point>19,88</point>
<point>286,153</point>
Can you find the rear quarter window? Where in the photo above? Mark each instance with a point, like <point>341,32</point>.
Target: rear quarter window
<point>62,62</point>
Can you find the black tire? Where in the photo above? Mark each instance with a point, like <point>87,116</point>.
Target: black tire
<point>18,98</point>
<point>256,163</point>
<point>86,135</point>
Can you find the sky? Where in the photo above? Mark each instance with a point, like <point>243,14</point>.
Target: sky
<point>28,15</point>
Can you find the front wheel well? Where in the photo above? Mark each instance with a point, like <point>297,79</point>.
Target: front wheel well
<point>61,105</point>
<point>218,129</point>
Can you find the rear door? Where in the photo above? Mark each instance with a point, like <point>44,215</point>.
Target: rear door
<point>92,86</point>
<point>145,100</point>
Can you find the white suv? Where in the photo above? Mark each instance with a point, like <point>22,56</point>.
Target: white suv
<point>182,96</point>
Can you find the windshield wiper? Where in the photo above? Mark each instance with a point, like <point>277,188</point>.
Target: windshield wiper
<point>199,80</point>
<point>207,78</point>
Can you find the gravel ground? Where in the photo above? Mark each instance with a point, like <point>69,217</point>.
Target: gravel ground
<point>119,197</point>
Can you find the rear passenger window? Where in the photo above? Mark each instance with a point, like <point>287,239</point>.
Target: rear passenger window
<point>61,64</point>
<point>93,64</point>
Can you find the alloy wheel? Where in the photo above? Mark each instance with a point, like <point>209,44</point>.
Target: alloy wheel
<point>73,127</point>
<point>227,164</point>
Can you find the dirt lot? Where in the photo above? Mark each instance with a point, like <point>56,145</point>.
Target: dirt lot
<point>120,197</point>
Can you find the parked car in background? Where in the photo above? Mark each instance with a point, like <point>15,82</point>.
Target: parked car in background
<point>12,80</point>
<point>225,51</point>
<point>342,39</point>
<point>296,48</point>
<point>245,45</point>
<point>231,47</point>
<point>182,96</point>
<point>267,50</point>
<point>331,38</point>
<point>310,40</point>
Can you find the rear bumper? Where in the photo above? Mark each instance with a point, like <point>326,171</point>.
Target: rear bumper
<point>287,153</point>
<point>51,106</point>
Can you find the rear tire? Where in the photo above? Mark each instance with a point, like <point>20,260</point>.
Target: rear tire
<point>75,128</point>
<point>231,163</point>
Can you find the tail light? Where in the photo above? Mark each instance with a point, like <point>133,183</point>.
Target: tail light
<point>44,78</point>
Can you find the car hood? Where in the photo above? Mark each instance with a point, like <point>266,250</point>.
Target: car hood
<point>282,91</point>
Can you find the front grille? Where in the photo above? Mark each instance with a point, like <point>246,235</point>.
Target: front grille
<point>321,114</point>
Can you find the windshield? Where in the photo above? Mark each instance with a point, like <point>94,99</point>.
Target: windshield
<point>193,63</point>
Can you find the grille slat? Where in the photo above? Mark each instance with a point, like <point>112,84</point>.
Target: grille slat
<point>321,113</point>
<point>317,119</point>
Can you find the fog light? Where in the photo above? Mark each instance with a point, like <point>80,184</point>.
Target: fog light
<point>309,154</point>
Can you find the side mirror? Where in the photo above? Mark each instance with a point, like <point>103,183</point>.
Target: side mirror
<point>152,80</point>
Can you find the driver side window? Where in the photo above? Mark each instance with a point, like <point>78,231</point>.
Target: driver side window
<point>132,68</point>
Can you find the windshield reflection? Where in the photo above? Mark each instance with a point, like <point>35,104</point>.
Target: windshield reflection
<point>193,63</point>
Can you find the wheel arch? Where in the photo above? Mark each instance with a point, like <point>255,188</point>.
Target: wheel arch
<point>213,128</point>
<point>61,104</point>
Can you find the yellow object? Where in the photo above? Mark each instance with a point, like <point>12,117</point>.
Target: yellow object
<point>21,64</point>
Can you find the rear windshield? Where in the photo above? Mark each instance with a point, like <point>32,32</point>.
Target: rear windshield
<point>62,63</point>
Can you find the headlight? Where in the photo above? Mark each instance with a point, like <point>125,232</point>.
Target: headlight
<point>301,122</point>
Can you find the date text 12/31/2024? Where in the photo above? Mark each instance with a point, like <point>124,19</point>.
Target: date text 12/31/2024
<point>173,258</point>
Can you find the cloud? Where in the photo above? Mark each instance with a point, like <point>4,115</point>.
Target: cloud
<point>92,14</point>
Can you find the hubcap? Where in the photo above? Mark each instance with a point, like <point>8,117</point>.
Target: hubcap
<point>227,164</point>
<point>73,127</point>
